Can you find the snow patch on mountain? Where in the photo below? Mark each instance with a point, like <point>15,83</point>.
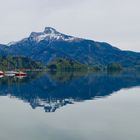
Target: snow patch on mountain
<point>11,43</point>
<point>51,34</point>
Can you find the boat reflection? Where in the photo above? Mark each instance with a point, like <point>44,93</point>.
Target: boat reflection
<point>20,76</point>
<point>1,76</point>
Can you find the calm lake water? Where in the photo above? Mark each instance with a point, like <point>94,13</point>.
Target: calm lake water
<point>70,106</point>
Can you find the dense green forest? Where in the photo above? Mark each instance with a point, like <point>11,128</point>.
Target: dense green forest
<point>62,64</point>
<point>59,64</point>
<point>114,67</point>
<point>10,63</point>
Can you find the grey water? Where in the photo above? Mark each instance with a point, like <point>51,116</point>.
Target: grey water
<point>70,106</point>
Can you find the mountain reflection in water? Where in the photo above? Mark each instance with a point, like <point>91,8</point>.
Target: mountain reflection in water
<point>54,90</point>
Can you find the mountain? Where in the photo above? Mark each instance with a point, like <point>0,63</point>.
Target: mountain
<point>50,44</point>
<point>3,49</point>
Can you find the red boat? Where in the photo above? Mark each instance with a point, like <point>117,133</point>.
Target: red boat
<point>20,73</point>
<point>1,73</point>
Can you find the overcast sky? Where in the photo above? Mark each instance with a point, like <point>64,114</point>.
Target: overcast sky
<point>113,21</point>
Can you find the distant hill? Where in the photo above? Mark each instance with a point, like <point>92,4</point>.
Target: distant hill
<point>50,44</point>
<point>63,64</point>
<point>10,63</point>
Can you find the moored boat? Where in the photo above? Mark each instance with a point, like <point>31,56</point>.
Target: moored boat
<point>20,73</point>
<point>10,73</point>
<point>1,73</point>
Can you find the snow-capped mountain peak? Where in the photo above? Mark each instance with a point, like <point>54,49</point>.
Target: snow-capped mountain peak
<point>50,34</point>
<point>49,30</point>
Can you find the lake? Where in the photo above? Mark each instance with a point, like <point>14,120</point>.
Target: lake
<point>70,106</point>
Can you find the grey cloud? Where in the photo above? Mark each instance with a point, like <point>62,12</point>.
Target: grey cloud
<point>116,22</point>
